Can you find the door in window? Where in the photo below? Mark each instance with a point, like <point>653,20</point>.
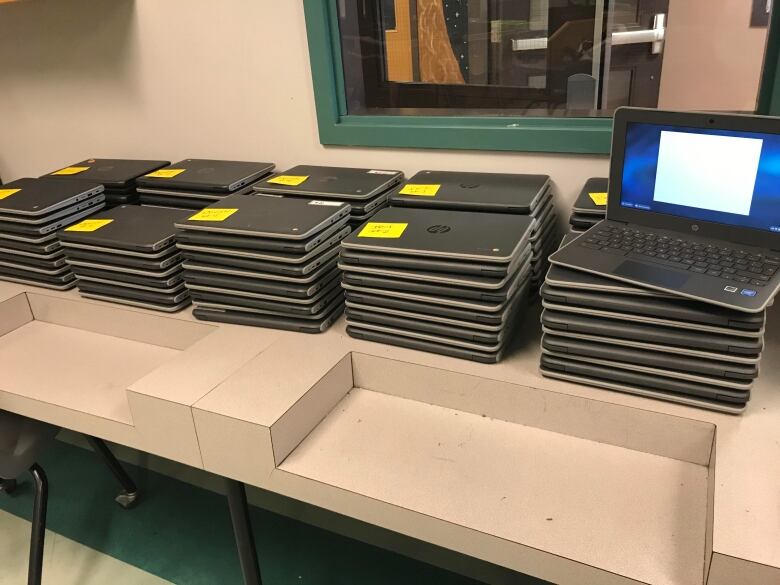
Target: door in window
<point>634,43</point>
<point>548,57</point>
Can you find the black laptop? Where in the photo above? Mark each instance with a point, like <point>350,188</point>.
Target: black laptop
<point>197,174</point>
<point>35,198</point>
<point>344,183</point>
<point>592,200</point>
<point>114,173</point>
<point>491,192</point>
<point>693,208</point>
<point>492,238</point>
<point>33,232</point>
<point>637,334</point>
<point>267,216</point>
<point>128,227</point>
<point>684,364</point>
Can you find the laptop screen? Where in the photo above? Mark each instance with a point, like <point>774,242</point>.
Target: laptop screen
<point>723,176</point>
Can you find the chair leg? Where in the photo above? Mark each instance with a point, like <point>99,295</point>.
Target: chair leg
<point>242,531</point>
<point>127,497</point>
<point>41,486</point>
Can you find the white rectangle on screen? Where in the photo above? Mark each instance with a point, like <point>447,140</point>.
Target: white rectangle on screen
<point>707,171</point>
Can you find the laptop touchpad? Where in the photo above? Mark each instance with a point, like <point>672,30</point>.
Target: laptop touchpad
<point>651,274</point>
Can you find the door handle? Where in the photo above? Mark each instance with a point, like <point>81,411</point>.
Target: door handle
<point>655,35</point>
<point>529,44</point>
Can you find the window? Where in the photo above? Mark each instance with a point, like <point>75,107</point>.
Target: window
<point>531,74</point>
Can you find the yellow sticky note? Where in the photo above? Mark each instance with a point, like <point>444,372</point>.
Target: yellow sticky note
<point>376,229</point>
<point>88,225</point>
<point>71,171</point>
<point>7,193</point>
<point>291,180</point>
<point>213,214</point>
<point>165,173</point>
<point>421,190</point>
<point>598,198</point>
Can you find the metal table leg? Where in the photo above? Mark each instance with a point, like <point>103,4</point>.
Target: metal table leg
<point>242,531</point>
<point>38,530</point>
<point>127,497</point>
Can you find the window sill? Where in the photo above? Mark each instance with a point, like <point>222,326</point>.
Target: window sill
<point>564,135</point>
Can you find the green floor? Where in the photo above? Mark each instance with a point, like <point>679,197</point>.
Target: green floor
<point>182,533</point>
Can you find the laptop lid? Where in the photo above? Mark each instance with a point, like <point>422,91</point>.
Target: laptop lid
<point>206,175</point>
<point>497,192</point>
<point>592,199</point>
<point>114,173</point>
<point>128,227</point>
<point>331,182</point>
<point>485,237</point>
<point>36,197</point>
<point>270,216</point>
<point>713,175</point>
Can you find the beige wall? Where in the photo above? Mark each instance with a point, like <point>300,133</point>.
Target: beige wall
<point>187,78</point>
<point>712,58</point>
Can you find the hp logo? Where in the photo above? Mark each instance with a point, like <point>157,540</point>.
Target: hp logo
<point>694,228</point>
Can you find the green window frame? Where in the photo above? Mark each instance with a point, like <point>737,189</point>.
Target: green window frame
<point>507,133</point>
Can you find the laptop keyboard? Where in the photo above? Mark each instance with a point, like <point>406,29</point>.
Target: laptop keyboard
<point>731,264</point>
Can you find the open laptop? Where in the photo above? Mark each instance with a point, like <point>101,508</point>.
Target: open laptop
<point>491,192</point>
<point>197,174</point>
<point>342,183</point>
<point>693,208</point>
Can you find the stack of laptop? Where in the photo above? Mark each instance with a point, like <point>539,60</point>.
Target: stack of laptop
<point>365,190</point>
<point>442,281</point>
<point>493,193</point>
<point>118,176</point>
<point>265,260</point>
<point>196,183</point>
<point>590,206</point>
<point>128,255</point>
<point>613,334</point>
<point>666,297</point>
<point>31,210</point>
